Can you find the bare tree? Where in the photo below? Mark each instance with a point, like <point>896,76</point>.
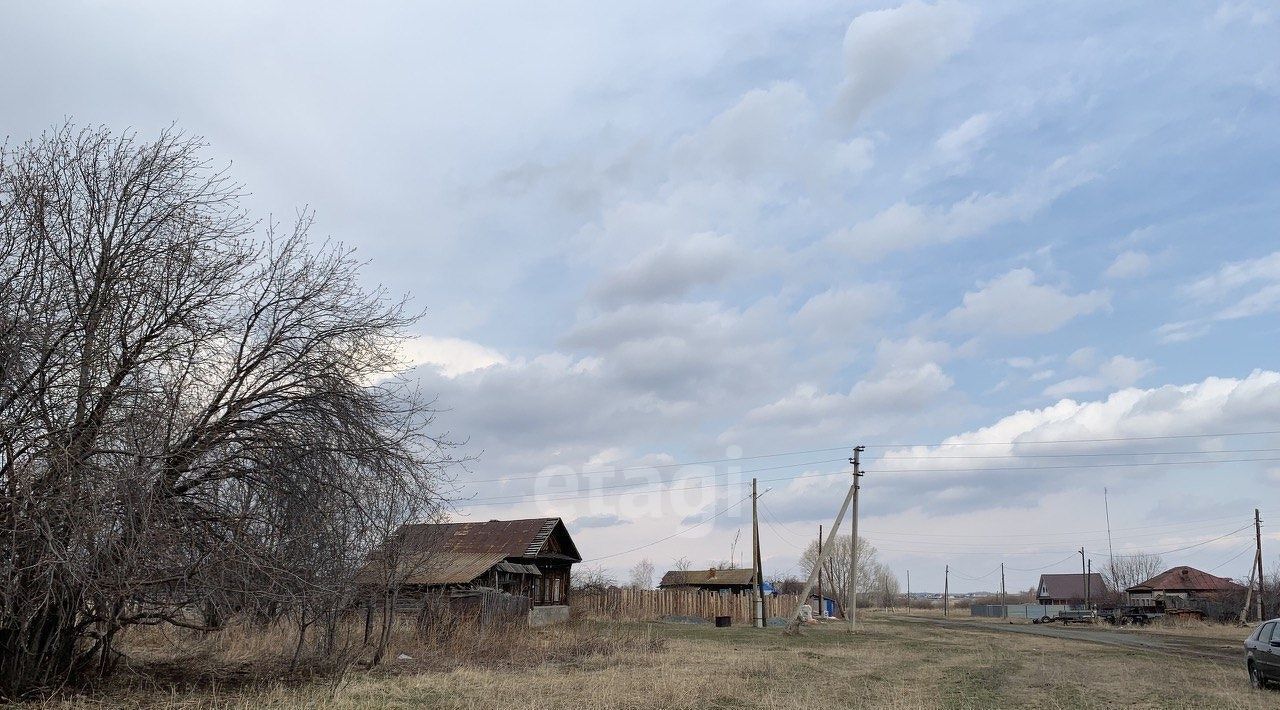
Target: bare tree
<point>683,564</point>
<point>593,579</point>
<point>835,571</point>
<point>186,400</point>
<point>1131,570</point>
<point>642,575</point>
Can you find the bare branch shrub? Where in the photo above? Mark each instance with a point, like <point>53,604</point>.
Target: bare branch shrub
<point>196,418</point>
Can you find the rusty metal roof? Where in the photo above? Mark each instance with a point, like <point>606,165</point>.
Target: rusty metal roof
<point>706,577</point>
<point>1185,579</point>
<point>434,568</point>
<point>527,538</point>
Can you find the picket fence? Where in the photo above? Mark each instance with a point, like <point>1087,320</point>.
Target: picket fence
<point>651,605</point>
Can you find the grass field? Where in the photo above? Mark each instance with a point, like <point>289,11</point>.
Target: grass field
<point>890,663</point>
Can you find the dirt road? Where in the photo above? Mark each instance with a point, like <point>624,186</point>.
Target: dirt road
<point>1210,649</point>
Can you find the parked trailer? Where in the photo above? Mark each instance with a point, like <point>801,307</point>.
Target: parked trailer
<point>1071,616</point>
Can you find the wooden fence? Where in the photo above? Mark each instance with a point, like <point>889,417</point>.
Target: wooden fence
<point>650,605</point>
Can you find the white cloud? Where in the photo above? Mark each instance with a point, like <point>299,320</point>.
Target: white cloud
<point>959,143</point>
<point>906,380</point>
<point>1248,288</point>
<point>451,356</point>
<point>672,269</point>
<point>1215,404</point>
<point>1226,280</point>
<point>905,225</point>
<point>838,313</point>
<point>1083,358</point>
<point>1244,11</point>
<point>1181,331</point>
<point>1118,372</point>
<point>884,48</point>
<point>1014,304</point>
<point>1128,265</point>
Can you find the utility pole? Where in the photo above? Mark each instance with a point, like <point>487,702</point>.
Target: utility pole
<point>822,601</point>
<point>908,591</point>
<point>1088,583</point>
<point>757,573</point>
<point>1084,577</point>
<point>853,542</point>
<point>1004,607</point>
<point>794,622</point>
<point>946,590</point>
<point>1257,529</point>
<point>1106,507</point>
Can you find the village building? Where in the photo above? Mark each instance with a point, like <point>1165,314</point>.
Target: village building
<point>1179,588</point>
<point>724,581</point>
<point>530,558</point>
<point>1069,589</point>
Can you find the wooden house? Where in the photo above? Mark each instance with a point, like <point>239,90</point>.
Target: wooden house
<point>530,558</point>
<point>725,581</point>
<point>1181,587</point>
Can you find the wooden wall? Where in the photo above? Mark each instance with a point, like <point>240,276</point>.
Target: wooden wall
<point>651,605</point>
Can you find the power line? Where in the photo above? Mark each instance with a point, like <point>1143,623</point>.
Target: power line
<point>507,500</point>
<point>1080,454</point>
<point>673,535</point>
<point>1188,547</point>
<point>684,478</point>
<point>1071,466</point>
<point>1233,559</point>
<point>798,452</point>
<point>1070,533</point>
<point>1075,441</point>
<point>1037,569</point>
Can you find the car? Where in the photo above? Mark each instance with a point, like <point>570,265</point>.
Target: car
<point>1262,654</point>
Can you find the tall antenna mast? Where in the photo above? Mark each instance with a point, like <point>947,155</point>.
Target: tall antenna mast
<point>1106,506</point>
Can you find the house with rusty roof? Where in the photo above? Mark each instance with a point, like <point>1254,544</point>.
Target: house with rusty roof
<point>725,581</point>
<point>1181,587</point>
<point>1069,589</point>
<point>530,558</point>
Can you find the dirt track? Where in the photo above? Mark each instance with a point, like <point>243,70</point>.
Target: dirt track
<point>1209,649</point>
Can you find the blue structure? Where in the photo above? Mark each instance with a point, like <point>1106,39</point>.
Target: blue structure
<point>828,605</point>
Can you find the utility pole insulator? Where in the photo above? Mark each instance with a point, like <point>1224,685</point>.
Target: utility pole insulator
<point>853,541</point>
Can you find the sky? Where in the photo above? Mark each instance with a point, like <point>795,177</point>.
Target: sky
<point>1023,252</point>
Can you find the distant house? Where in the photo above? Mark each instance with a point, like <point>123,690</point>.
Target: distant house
<point>1069,589</point>
<point>531,558</point>
<point>1180,587</point>
<point>725,581</point>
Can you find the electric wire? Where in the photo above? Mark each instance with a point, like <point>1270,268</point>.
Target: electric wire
<point>798,452</point>
<point>726,509</point>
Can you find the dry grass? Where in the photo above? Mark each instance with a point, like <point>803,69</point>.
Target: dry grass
<point>889,664</point>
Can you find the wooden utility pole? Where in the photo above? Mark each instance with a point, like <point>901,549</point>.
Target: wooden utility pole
<point>757,586</point>
<point>946,591</point>
<point>794,623</point>
<point>1248,595</point>
<point>1084,577</point>
<point>822,601</point>
<point>1088,584</point>
<point>853,542</point>
<point>1111,552</point>
<point>1257,529</point>
<point>908,591</point>
<point>1004,606</point>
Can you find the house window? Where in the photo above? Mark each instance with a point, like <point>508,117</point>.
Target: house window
<point>555,590</point>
